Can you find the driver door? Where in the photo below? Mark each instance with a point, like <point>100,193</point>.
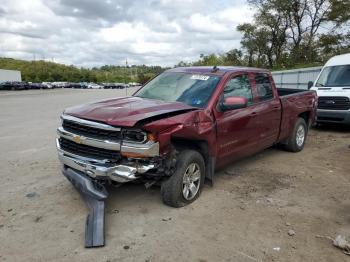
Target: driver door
<point>236,129</point>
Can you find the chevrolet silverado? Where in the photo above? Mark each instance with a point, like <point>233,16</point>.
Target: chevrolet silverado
<point>176,131</point>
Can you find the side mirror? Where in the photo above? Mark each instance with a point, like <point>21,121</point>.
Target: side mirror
<point>310,84</point>
<point>233,102</point>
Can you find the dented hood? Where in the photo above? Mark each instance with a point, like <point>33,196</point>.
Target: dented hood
<point>126,111</point>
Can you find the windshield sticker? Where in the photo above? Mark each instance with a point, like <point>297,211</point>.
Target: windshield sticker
<point>200,77</point>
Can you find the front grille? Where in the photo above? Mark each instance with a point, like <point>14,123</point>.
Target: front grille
<point>88,151</point>
<point>334,102</point>
<point>92,132</point>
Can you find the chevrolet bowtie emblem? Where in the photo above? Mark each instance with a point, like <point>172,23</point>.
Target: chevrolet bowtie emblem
<point>77,139</point>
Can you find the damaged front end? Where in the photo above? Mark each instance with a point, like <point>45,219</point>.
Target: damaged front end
<point>93,155</point>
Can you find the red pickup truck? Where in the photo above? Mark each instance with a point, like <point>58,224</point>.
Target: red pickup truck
<point>176,130</point>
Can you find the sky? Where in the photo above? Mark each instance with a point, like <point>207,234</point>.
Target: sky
<point>91,33</point>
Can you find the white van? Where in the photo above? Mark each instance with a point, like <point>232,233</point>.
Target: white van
<point>333,90</point>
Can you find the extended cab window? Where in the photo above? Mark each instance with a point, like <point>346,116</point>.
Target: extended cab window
<point>263,87</point>
<point>239,86</point>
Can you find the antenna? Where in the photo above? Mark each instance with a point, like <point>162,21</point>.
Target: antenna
<point>126,67</point>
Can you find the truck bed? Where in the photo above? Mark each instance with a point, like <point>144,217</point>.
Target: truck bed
<point>294,102</point>
<point>289,91</point>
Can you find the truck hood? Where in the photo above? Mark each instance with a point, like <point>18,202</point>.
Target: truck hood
<point>126,111</point>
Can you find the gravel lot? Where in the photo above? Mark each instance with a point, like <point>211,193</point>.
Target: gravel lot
<point>246,216</point>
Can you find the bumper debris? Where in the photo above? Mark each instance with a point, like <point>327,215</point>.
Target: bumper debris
<point>94,196</point>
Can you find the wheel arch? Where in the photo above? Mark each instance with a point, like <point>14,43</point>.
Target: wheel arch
<point>306,116</point>
<point>202,147</point>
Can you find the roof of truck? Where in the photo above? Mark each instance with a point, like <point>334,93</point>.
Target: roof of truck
<point>339,60</point>
<point>220,70</point>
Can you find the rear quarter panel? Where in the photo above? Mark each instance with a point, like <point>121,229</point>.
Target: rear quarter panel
<point>292,107</point>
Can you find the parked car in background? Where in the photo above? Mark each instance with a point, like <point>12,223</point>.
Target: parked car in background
<point>9,85</point>
<point>333,90</point>
<point>108,85</point>
<point>120,85</point>
<point>83,85</point>
<point>74,85</point>
<point>113,85</point>
<point>5,86</point>
<point>36,86</point>
<point>47,85</point>
<point>67,85</point>
<point>59,84</point>
<point>132,84</point>
<point>94,86</point>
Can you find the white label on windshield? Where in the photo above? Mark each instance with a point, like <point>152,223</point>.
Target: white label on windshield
<point>200,77</point>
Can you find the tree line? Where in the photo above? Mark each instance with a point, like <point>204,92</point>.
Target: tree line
<point>288,34</point>
<point>44,71</point>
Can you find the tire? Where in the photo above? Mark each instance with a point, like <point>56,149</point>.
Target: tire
<point>173,190</point>
<point>297,139</point>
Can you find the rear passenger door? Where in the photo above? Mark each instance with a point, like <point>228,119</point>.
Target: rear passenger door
<point>268,110</point>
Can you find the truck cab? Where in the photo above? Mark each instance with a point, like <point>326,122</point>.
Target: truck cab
<point>333,90</point>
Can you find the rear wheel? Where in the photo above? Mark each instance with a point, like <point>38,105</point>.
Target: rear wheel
<point>297,139</point>
<point>185,185</point>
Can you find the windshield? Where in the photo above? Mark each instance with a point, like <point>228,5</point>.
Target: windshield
<point>334,76</point>
<point>192,89</point>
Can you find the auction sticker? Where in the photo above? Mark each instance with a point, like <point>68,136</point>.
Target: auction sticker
<point>200,77</point>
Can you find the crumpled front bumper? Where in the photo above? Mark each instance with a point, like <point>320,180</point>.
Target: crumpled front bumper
<point>88,174</point>
<point>94,195</point>
<point>120,173</point>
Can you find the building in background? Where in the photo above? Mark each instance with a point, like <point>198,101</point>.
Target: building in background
<point>10,75</point>
<point>296,78</point>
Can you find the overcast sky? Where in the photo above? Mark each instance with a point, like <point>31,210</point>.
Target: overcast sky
<point>98,32</point>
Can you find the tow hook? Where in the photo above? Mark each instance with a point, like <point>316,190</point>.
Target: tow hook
<point>94,196</point>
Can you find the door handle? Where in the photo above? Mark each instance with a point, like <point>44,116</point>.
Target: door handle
<point>253,114</point>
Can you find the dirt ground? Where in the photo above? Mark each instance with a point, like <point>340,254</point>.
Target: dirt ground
<point>246,216</point>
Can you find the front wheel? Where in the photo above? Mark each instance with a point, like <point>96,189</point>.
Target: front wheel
<point>297,139</point>
<point>185,185</point>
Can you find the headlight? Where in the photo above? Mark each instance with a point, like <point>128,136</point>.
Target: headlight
<point>134,136</point>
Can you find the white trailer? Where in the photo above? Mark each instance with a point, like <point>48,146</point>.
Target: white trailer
<point>10,75</point>
<point>296,78</point>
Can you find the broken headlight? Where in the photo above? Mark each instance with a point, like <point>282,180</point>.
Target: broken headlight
<point>134,136</point>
